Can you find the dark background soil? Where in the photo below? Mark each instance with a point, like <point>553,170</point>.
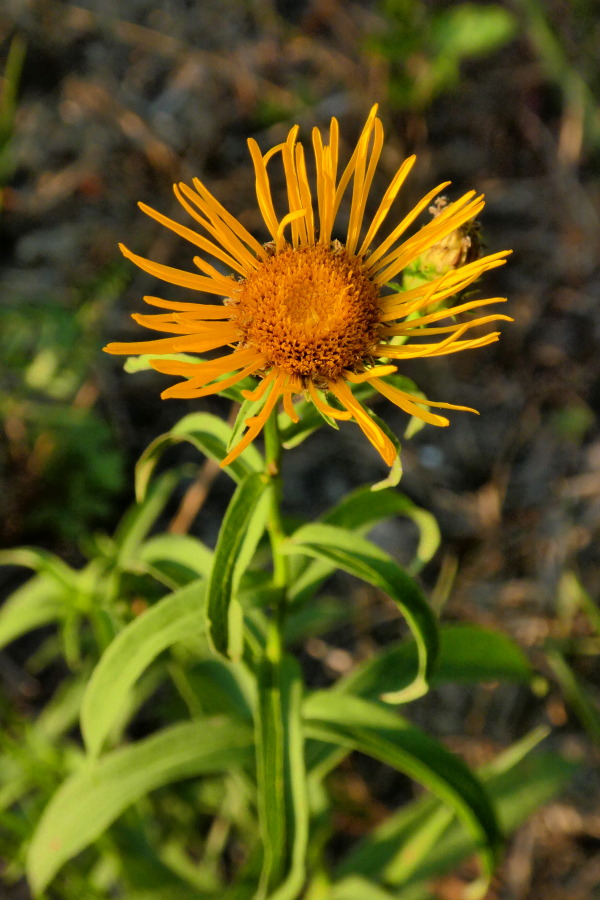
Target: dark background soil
<point>119,100</point>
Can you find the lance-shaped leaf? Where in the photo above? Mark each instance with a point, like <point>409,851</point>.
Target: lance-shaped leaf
<point>364,559</point>
<point>90,800</point>
<point>174,559</point>
<point>240,533</point>
<point>282,796</point>
<point>170,620</point>
<point>519,783</point>
<point>379,732</point>
<point>208,434</point>
<point>468,653</point>
<point>39,601</point>
<point>359,512</point>
<point>141,516</point>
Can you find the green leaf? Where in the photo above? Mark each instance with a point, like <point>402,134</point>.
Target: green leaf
<point>208,434</point>
<point>141,363</point>
<point>468,653</point>
<point>360,557</point>
<point>39,601</point>
<point>91,799</point>
<point>130,653</point>
<point>378,732</point>
<point>360,511</point>
<point>141,516</point>
<point>179,553</point>
<point>282,798</point>
<point>356,888</point>
<point>472,29</point>
<point>575,694</point>
<point>363,508</point>
<point>41,561</point>
<point>221,686</point>
<point>240,533</point>
<point>517,790</point>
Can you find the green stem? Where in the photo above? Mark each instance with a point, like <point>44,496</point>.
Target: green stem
<point>275,524</point>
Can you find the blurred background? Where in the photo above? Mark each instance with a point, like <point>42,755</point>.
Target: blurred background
<point>108,103</point>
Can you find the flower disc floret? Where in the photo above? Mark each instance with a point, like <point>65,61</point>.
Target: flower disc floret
<point>310,311</point>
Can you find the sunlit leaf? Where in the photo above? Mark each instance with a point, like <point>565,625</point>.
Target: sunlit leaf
<point>472,29</point>
<point>39,601</point>
<point>468,653</point>
<point>355,887</point>
<point>529,781</point>
<point>360,557</point>
<point>575,693</point>
<point>172,619</point>
<point>91,799</point>
<point>41,561</point>
<point>139,518</point>
<point>176,554</point>
<point>360,511</point>
<point>209,435</point>
<point>241,530</point>
<point>378,732</point>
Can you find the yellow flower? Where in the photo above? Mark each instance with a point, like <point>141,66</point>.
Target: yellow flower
<point>305,313</point>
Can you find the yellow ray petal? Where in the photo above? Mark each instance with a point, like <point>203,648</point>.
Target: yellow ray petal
<point>255,423</point>
<point>376,371</point>
<point>305,194</point>
<point>417,351</point>
<point>325,408</point>
<point>280,241</point>
<point>386,203</point>
<point>207,368</point>
<point>215,226</point>
<point>194,343</point>
<point>362,185</point>
<point>395,306</point>
<point>194,238</point>
<point>288,155</point>
<point>178,276</point>
<point>203,310</point>
<point>289,406</point>
<point>413,329</point>
<point>194,389</point>
<point>350,168</point>
<point>408,404</point>
<point>391,239</point>
<point>430,234</point>
<point>170,323</point>
<point>263,189</point>
<point>259,392</point>
<point>225,218</point>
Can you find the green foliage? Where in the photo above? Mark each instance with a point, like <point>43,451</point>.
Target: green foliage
<point>199,730</point>
<point>564,654</point>
<point>58,444</point>
<point>399,852</point>
<point>358,724</point>
<point>425,45</point>
<point>93,797</point>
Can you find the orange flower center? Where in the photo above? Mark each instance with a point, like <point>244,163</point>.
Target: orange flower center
<point>310,311</point>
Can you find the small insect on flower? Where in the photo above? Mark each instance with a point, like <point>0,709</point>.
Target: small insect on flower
<point>306,313</point>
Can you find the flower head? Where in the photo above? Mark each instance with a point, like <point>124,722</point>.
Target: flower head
<point>306,313</point>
